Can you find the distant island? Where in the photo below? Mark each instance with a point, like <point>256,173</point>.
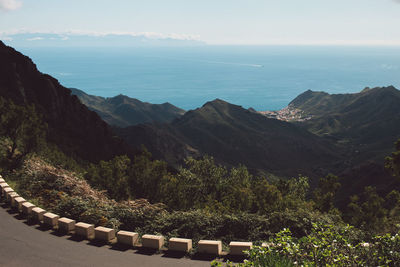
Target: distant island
<point>77,39</point>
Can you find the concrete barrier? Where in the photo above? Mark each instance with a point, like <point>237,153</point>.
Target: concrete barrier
<point>27,208</point>
<point>107,234</point>
<point>2,186</point>
<point>66,225</point>
<point>10,197</point>
<point>210,247</point>
<point>127,238</point>
<point>85,230</point>
<point>104,233</point>
<point>38,214</point>
<point>17,203</point>
<point>153,241</point>
<point>7,190</point>
<point>237,248</point>
<point>180,244</point>
<point>50,219</point>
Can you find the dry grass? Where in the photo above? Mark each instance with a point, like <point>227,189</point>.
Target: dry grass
<point>75,186</point>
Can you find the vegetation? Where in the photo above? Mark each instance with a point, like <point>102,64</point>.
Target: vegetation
<point>324,246</point>
<point>202,184</point>
<point>23,128</point>
<point>393,162</point>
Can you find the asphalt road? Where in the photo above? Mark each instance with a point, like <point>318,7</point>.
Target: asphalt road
<point>30,245</point>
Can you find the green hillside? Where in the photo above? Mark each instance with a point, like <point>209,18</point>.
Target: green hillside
<point>234,135</point>
<point>366,123</point>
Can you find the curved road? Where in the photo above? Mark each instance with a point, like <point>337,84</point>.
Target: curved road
<point>29,245</point>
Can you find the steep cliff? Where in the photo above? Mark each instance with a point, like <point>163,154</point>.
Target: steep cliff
<point>71,125</point>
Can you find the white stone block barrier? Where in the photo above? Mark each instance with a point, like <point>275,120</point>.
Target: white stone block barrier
<point>237,248</point>
<point>88,231</point>
<point>38,214</point>
<point>6,191</point>
<point>2,186</point>
<point>50,219</point>
<point>84,230</point>
<point>10,196</point>
<point>180,244</point>
<point>27,208</point>
<point>127,238</point>
<point>209,247</point>
<point>104,233</point>
<point>17,203</point>
<point>66,225</point>
<point>153,241</point>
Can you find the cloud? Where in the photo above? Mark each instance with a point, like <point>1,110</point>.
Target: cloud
<point>397,1</point>
<point>35,39</point>
<point>7,5</point>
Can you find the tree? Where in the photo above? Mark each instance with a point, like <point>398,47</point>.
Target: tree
<point>324,194</point>
<point>392,163</point>
<point>294,191</point>
<point>267,196</point>
<point>368,210</point>
<point>392,200</point>
<point>23,127</point>
<point>145,176</point>
<point>236,193</point>
<point>111,176</point>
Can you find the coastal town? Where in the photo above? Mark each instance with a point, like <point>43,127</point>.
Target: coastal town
<point>288,113</point>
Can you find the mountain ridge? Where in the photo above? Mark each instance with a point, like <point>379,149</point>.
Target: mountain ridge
<point>367,122</point>
<point>123,111</point>
<point>234,135</point>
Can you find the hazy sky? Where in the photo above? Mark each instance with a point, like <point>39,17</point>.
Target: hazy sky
<point>216,21</point>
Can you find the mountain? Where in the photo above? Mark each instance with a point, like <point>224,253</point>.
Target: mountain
<point>234,135</point>
<point>71,39</point>
<point>71,125</point>
<point>124,111</point>
<point>366,123</point>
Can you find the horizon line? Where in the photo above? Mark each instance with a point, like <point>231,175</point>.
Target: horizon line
<point>6,36</point>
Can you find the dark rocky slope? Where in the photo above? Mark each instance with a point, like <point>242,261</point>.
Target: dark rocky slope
<point>71,125</point>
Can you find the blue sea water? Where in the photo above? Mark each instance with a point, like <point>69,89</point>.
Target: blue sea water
<point>262,77</point>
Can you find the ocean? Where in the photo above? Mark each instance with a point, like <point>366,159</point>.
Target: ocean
<point>262,77</point>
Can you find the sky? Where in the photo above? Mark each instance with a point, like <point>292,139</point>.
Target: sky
<point>235,22</point>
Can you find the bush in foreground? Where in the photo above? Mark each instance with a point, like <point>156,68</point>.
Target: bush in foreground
<point>326,245</point>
